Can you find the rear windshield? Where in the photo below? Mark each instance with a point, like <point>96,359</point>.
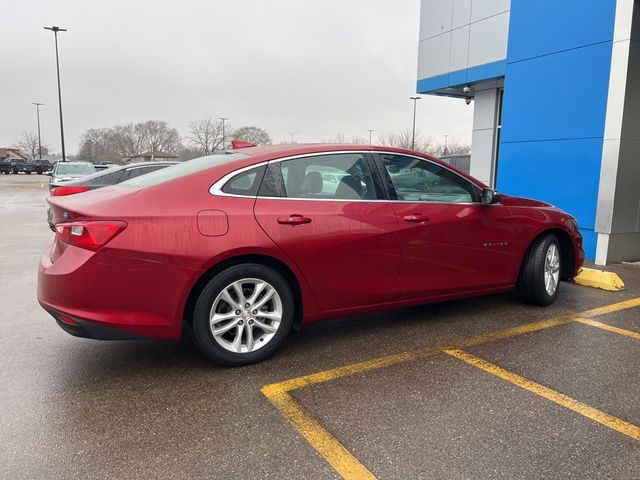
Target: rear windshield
<point>181,170</point>
<point>75,168</point>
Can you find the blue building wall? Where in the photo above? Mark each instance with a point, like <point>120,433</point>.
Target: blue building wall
<point>554,107</point>
<point>460,78</point>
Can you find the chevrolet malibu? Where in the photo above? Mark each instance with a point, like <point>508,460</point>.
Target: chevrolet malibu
<point>236,249</point>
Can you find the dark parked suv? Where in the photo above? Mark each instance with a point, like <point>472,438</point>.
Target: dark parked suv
<point>24,167</point>
<point>42,166</point>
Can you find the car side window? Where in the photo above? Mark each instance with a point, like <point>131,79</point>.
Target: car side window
<point>417,180</point>
<point>136,172</point>
<point>343,176</point>
<point>245,183</point>
<point>108,179</point>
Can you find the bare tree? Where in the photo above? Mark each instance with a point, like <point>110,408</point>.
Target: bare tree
<point>342,138</point>
<point>187,153</point>
<point>337,138</point>
<point>255,135</point>
<point>125,141</point>
<point>28,145</point>
<point>205,135</point>
<point>98,144</point>
<point>454,146</point>
<point>403,139</point>
<point>157,136</point>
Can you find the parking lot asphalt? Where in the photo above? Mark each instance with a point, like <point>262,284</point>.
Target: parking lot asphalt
<point>556,400</point>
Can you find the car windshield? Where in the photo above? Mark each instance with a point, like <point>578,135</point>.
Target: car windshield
<point>75,169</point>
<point>181,169</point>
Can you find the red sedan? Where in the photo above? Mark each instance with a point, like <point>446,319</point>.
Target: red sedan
<point>239,247</point>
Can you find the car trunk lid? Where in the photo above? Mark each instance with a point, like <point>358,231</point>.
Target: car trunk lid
<point>90,204</point>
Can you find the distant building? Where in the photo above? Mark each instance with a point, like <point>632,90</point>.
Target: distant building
<point>555,88</point>
<point>11,154</point>
<point>153,157</point>
<point>461,161</point>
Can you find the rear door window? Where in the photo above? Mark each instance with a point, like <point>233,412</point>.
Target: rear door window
<point>343,176</point>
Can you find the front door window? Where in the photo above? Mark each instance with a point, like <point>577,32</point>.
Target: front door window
<point>416,180</point>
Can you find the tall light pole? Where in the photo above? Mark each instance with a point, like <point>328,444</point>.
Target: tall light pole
<point>413,130</point>
<point>38,115</point>
<point>55,31</point>
<point>445,144</point>
<point>292,134</point>
<point>224,138</point>
<point>370,132</point>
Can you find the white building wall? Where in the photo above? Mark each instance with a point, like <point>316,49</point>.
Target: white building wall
<point>460,34</point>
<point>483,141</point>
<point>618,215</point>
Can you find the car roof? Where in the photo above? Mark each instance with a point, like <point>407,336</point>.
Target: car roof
<point>74,162</point>
<point>148,164</point>
<point>268,152</point>
<point>275,151</point>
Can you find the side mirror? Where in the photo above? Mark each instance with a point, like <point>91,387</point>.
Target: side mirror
<point>490,196</point>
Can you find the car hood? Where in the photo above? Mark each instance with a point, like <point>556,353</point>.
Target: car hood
<point>522,202</point>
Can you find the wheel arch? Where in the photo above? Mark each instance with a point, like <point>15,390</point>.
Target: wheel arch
<point>261,259</point>
<point>567,251</point>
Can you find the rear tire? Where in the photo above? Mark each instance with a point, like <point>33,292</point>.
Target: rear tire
<point>539,280</point>
<point>251,301</point>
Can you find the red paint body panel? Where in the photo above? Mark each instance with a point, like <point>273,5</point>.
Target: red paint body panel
<point>352,257</point>
<point>348,253</point>
<point>458,247</point>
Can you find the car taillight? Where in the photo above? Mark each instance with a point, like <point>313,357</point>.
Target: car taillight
<point>62,191</point>
<point>91,235</point>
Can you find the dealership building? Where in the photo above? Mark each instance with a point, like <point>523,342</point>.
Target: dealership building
<point>555,88</point>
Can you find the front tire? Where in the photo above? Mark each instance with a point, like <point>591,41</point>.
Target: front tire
<point>243,315</point>
<point>539,280</point>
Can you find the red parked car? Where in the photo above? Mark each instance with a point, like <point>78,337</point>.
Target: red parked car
<point>239,247</point>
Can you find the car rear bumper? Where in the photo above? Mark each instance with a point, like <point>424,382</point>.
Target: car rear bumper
<point>79,327</point>
<point>96,295</point>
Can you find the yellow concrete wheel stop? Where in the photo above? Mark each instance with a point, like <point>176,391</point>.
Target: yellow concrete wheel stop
<point>590,277</point>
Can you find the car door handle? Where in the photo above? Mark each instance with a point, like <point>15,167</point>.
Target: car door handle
<point>294,219</point>
<point>416,218</point>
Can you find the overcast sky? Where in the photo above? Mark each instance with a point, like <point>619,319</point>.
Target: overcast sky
<point>318,67</point>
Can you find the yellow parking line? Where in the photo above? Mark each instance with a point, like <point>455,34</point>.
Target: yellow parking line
<point>347,370</point>
<point>610,328</point>
<point>512,332</point>
<point>347,466</point>
<point>332,450</point>
<point>634,302</point>
<point>610,421</point>
<point>344,371</point>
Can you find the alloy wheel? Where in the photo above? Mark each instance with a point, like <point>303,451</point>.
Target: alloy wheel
<point>245,315</point>
<point>551,269</point>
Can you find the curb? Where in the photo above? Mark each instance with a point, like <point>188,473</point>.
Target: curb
<point>590,277</point>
